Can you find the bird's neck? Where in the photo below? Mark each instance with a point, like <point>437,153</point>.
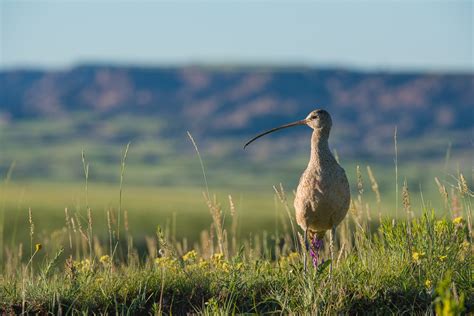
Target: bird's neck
<point>319,148</point>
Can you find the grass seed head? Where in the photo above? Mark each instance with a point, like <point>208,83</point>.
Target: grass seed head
<point>463,189</point>
<point>360,183</point>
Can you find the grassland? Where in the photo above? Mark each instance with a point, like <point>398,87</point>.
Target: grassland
<point>416,265</point>
<point>93,248</point>
<point>88,234</point>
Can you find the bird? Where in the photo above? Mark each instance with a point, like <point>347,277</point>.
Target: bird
<point>323,194</point>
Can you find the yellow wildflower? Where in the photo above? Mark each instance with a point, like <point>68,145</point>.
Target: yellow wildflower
<point>428,284</point>
<point>38,247</point>
<point>86,265</point>
<point>217,257</point>
<point>190,256</point>
<point>224,266</point>
<point>105,259</point>
<point>417,256</point>
<point>166,262</point>
<point>83,265</point>
<point>442,258</point>
<point>465,245</point>
<point>203,264</point>
<point>458,220</point>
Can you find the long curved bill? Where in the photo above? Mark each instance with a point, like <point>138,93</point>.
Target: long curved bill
<point>302,122</point>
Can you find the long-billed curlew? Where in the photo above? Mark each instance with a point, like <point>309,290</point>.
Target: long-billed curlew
<point>323,196</point>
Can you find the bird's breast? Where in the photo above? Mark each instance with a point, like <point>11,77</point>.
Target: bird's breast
<point>322,197</point>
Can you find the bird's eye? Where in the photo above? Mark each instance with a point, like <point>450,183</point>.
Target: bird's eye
<point>313,116</point>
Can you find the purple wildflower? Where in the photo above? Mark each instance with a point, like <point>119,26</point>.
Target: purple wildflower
<point>316,244</point>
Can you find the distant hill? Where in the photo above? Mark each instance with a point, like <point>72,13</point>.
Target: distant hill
<point>224,102</point>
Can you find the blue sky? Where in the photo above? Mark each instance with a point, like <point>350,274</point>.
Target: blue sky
<point>371,35</point>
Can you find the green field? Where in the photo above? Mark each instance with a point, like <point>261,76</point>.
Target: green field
<point>184,208</point>
<point>409,252</point>
<point>80,263</point>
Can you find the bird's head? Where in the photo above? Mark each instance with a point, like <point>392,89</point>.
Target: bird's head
<point>319,120</point>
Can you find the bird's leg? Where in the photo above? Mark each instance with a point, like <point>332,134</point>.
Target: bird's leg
<point>305,250</point>
<point>331,248</point>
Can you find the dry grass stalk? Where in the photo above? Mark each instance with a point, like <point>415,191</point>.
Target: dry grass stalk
<point>205,244</point>
<point>455,204</point>
<point>109,226</point>
<point>358,204</point>
<point>367,212</point>
<point>77,240</point>
<point>79,226</point>
<point>225,243</point>
<point>443,192</point>
<point>68,227</point>
<point>89,233</point>
<point>200,161</point>
<point>127,233</point>
<point>340,253</point>
<point>462,186</point>
<point>409,215</point>
<point>283,200</point>
<point>396,172</point>
<point>211,238</point>
<point>216,214</point>
<point>360,182</point>
<point>353,210</point>
<point>85,166</point>
<point>125,221</point>
<point>233,228</point>
<point>32,229</point>
<point>122,173</point>
<point>70,269</point>
<point>375,189</point>
<point>406,200</point>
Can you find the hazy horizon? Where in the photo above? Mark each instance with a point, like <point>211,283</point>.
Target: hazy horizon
<point>236,65</point>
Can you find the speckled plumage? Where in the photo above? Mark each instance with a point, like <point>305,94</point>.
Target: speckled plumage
<point>323,195</point>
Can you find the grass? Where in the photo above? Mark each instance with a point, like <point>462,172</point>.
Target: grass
<point>133,248</point>
<point>387,270</point>
<point>413,264</point>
